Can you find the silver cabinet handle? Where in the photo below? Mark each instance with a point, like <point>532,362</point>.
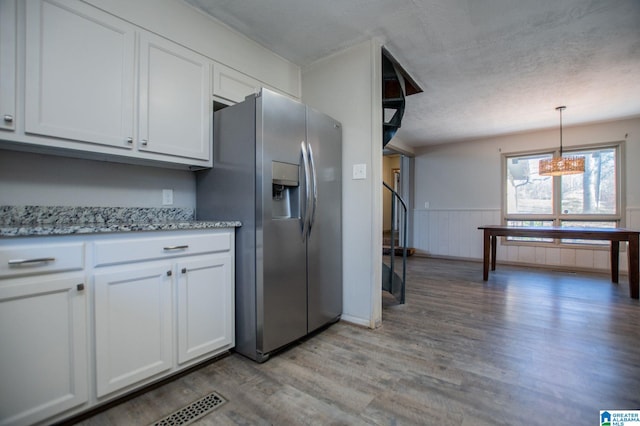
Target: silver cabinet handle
<point>144,142</point>
<point>8,118</point>
<point>169,248</point>
<point>27,261</point>
<point>129,139</point>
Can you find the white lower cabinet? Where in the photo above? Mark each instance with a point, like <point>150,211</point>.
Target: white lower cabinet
<point>87,319</point>
<point>205,306</point>
<point>43,347</point>
<point>132,325</point>
<point>162,303</point>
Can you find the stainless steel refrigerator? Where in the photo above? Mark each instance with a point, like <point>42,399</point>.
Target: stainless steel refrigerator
<point>277,168</point>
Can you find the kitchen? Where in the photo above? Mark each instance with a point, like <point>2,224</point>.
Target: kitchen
<point>35,174</point>
<point>53,165</point>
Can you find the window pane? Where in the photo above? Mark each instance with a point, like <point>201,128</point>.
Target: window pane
<point>594,191</point>
<point>530,223</point>
<point>527,191</point>
<point>582,224</point>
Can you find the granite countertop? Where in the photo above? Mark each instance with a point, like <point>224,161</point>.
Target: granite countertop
<point>24,221</point>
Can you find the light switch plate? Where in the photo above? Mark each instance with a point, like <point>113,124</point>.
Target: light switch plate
<point>167,197</point>
<point>359,171</point>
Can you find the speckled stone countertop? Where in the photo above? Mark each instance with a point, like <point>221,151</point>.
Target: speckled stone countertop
<point>23,221</point>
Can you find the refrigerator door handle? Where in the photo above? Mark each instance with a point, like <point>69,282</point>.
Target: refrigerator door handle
<point>307,183</point>
<point>312,216</point>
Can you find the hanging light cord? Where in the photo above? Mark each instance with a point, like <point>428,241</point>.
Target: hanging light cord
<point>560,108</point>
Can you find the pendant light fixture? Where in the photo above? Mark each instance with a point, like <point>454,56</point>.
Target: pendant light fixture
<point>558,166</point>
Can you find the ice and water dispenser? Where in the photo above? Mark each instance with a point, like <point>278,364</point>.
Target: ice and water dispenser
<point>285,187</point>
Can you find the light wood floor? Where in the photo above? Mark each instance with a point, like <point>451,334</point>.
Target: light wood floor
<point>528,347</point>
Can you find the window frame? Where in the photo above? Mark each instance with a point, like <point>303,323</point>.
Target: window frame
<point>557,217</point>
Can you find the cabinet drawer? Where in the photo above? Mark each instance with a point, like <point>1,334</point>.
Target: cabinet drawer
<point>28,259</point>
<point>149,248</point>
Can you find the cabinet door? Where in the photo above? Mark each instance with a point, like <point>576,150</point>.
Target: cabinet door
<point>233,85</point>
<point>79,73</point>
<point>132,325</point>
<point>7,64</point>
<point>205,306</point>
<point>175,111</point>
<point>43,347</point>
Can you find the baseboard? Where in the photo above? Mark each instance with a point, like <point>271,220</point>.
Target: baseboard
<point>356,320</point>
<point>420,253</point>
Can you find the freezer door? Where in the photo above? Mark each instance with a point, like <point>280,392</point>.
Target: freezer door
<point>324,246</point>
<point>281,250</point>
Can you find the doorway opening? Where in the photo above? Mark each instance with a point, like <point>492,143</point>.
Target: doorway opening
<point>395,247</point>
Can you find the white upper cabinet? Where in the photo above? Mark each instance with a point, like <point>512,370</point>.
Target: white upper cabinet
<point>232,85</point>
<point>175,101</point>
<point>80,85</point>
<point>79,73</point>
<point>101,79</point>
<point>7,64</point>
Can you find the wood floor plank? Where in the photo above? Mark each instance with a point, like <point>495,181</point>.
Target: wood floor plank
<point>528,347</point>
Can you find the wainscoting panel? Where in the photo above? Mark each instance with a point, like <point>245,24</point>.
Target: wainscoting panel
<point>454,233</point>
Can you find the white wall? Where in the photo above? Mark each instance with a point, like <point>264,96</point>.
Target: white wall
<point>45,180</point>
<point>462,184</point>
<point>347,87</point>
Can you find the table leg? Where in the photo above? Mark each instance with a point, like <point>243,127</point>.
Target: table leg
<point>493,252</point>
<point>615,260</point>
<point>485,255</point>
<point>634,267</point>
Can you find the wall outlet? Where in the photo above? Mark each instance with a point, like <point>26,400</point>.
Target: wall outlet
<point>167,197</point>
<point>426,204</point>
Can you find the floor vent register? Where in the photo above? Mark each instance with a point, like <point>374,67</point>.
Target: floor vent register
<point>193,411</point>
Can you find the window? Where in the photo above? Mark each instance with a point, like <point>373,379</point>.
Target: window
<point>591,199</point>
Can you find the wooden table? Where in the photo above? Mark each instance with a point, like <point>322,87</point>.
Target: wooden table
<point>614,235</point>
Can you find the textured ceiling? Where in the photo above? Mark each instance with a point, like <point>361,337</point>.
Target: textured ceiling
<point>487,67</point>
